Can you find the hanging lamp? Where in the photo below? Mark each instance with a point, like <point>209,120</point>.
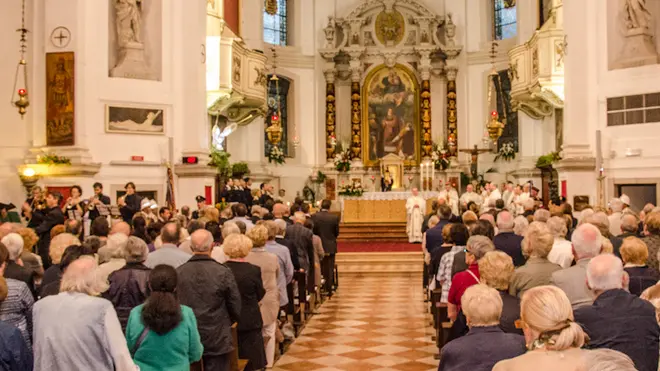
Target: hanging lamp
<point>19,94</point>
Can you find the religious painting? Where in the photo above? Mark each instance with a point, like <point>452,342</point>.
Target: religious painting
<point>330,188</point>
<point>135,120</point>
<point>390,27</point>
<point>390,112</point>
<point>508,115</point>
<point>60,99</point>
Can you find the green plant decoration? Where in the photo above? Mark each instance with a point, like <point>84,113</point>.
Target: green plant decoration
<point>220,160</point>
<point>51,159</point>
<point>240,169</point>
<point>547,160</point>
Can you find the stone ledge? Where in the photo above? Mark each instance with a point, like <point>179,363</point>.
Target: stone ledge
<point>195,171</point>
<point>73,170</point>
<point>576,164</point>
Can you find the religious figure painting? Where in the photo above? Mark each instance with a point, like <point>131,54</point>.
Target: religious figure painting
<point>134,120</point>
<point>391,113</point>
<point>60,89</point>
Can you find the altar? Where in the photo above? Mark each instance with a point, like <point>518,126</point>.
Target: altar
<point>380,207</point>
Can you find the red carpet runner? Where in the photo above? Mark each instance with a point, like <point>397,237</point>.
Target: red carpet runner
<point>378,247</point>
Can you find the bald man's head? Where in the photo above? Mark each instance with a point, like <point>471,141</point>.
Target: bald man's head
<point>505,221</point>
<point>629,223</point>
<point>587,241</point>
<point>171,233</point>
<point>121,227</point>
<point>200,241</point>
<point>279,210</point>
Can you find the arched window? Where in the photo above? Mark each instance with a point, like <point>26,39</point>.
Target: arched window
<point>278,95</point>
<point>275,25</point>
<point>505,19</point>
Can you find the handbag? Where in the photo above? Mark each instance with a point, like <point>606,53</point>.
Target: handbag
<point>139,341</point>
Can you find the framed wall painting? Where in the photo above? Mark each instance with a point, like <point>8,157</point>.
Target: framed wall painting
<point>60,99</point>
<point>135,119</point>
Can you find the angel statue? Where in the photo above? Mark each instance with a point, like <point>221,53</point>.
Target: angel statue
<point>636,14</point>
<point>129,21</point>
<point>219,136</point>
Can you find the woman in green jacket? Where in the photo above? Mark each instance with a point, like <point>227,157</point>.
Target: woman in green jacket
<point>161,333</point>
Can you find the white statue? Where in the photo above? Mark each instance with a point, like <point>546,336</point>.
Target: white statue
<point>128,21</point>
<point>636,15</point>
<point>219,136</point>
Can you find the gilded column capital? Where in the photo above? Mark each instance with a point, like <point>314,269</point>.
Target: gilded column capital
<point>451,72</point>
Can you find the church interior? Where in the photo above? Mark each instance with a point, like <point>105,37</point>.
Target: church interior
<point>368,104</point>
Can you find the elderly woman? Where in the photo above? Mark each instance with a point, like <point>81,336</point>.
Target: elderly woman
<point>14,350</point>
<point>248,278</point>
<point>602,222</point>
<point>459,234</point>
<point>538,270</point>
<point>270,304</point>
<point>553,338</point>
<point>433,221</point>
<point>57,246</point>
<point>520,225</point>
<point>31,260</point>
<point>16,308</point>
<point>218,253</point>
<point>482,307</point>
<point>495,270</point>
<point>562,250</point>
<point>111,256</point>
<point>78,316</point>
<point>477,247</point>
<point>634,254</point>
<point>72,253</point>
<point>129,286</point>
<point>170,339</point>
<point>541,215</point>
<point>13,267</point>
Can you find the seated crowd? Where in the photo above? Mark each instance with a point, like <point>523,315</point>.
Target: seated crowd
<point>552,293</point>
<point>173,293</point>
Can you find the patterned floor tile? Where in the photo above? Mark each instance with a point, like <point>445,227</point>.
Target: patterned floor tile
<point>364,328</point>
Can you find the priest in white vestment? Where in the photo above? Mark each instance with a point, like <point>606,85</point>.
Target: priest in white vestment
<point>470,196</point>
<point>415,208</point>
<point>493,195</point>
<point>450,195</point>
<point>520,199</point>
<point>508,195</point>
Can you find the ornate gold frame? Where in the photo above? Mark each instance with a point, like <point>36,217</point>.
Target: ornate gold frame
<point>365,114</point>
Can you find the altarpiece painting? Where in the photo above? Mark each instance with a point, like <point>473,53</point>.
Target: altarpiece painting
<point>390,115</point>
<point>60,99</point>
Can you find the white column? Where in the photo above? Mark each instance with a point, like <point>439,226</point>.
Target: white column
<point>578,165</point>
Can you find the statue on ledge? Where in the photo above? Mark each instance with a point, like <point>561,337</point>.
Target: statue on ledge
<point>386,182</point>
<point>636,14</point>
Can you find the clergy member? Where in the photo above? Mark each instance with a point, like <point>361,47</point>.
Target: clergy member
<point>415,208</point>
<point>521,199</point>
<point>470,196</point>
<point>451,196</point>
<point>493,195</point>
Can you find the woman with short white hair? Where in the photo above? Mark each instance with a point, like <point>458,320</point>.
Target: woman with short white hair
<point>562,250</point>
<point>520,225</point>
<point>56,249</point>
<point>129,285</point>
<point>111,256</point>
<point>218,254</point>
<point>538,270</point>
<point>76,329</point>
<point>14,268</point>
<point>552,336</point>
<point>482,307</point>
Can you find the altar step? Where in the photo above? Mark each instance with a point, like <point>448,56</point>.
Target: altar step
<point>380,264</point>
<point>390,232</point>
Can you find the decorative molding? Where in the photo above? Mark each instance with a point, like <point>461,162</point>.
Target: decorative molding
<point>73,170</point>
<point>195,171</point>
<point>290,57</point>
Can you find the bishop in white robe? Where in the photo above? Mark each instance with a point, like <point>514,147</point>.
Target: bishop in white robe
<point>415,208</point>
<point>470,196</point>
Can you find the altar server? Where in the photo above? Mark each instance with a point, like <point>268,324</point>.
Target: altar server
<point>493,195</point>
<point>415,208</point>
<point>520,199</point>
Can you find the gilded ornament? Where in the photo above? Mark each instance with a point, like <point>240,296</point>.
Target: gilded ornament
<point>390,27</point>
<point>270,6</point>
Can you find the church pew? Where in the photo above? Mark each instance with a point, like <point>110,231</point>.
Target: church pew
<point>299,301</point>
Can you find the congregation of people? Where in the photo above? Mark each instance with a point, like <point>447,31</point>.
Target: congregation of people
<point>527,287</point>
<point>158,289</point>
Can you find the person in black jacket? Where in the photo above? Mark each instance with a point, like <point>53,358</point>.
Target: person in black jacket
<point>210,289</point>
<point>302,239</point>
<point>282,240</point>
<point>98,199</point>
<point>250,285</point>
<point>617,319</point>
<point>130,203</point>
<point>506,240</point>
<point>14,352</point>
<point>52,216</point>
<point>129,286</point>
<point>266,193</point>
<point>326,226</point>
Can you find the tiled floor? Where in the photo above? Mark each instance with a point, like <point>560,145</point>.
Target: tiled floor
<point>372,323</point>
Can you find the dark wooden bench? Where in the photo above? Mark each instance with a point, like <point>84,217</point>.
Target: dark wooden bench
<point>441,322</point>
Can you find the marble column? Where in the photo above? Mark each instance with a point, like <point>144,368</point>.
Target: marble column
<point>330,123</point>
<point>425,105</point>
<point>452,112</point>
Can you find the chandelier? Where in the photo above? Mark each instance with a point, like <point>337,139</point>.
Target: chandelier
<point>494,126</point>
<point>19,94</point>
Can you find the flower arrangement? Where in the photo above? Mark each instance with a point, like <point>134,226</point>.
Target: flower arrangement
<point>342,159</point>
<point>50,159</point>
<point>440,157</point>
<point>351,190</point>
<point>276,155</point>
<point>507,152</point>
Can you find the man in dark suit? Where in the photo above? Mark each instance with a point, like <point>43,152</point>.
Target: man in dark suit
<point>326,226</point>
<point>247,190</point>
<point>52,216</point>
<point>617,319</point>
<point>508,241</point>
<point>266,190</point>
<point>434,235</point>
<point>14,244</point>
<point>98,199</point>
<point>301,238</point>
<point>130,204</point>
